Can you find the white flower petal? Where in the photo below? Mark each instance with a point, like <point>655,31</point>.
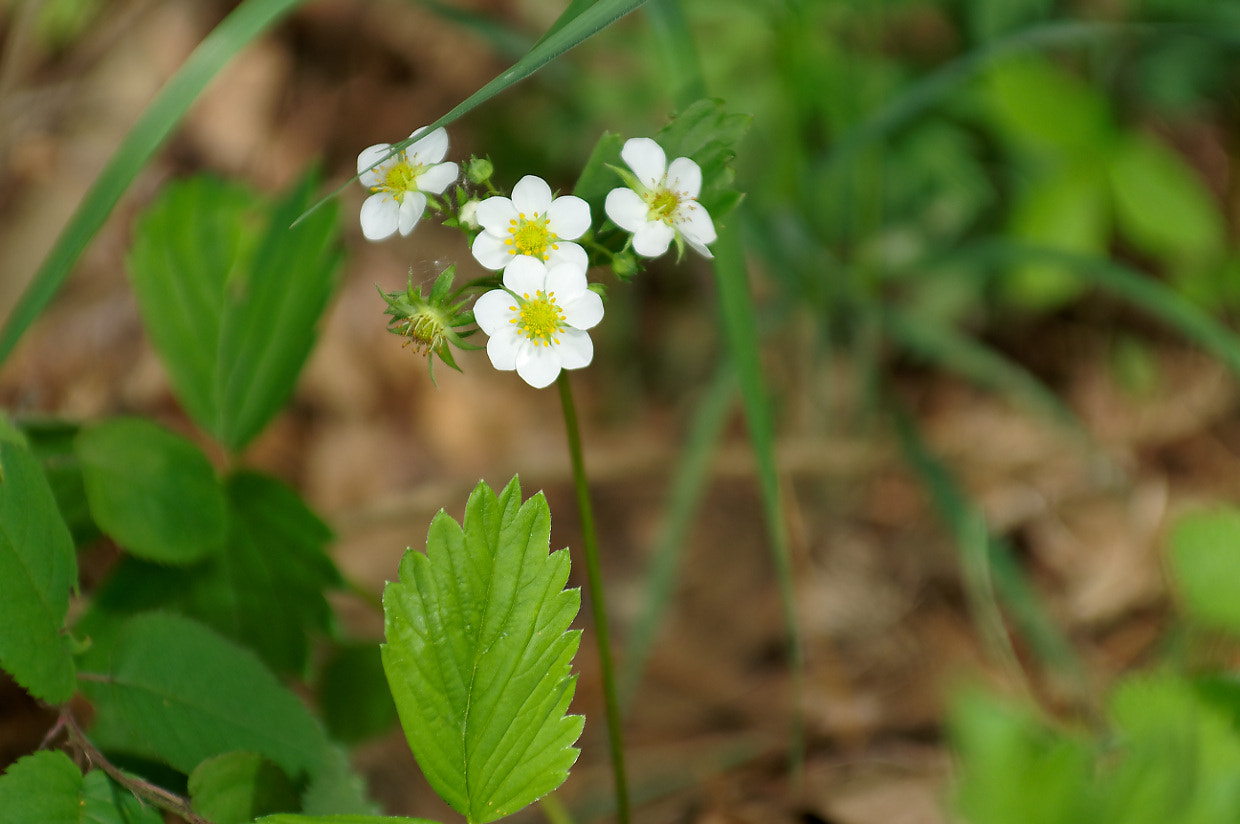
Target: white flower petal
<point>570,217</point>
<point>493,311</point>
<point>626,209</point>
<point>494,215</point>
<point>503,348</point>
<point>583,311</point>
<point>646,158</point>
<point>437,178</point>
<point>370,156</point>
<point>412,205</point>
<point>684,177</point>
<point>568,252</point>
<point>576,350</point>
<point>539,366</point>
<point>525,275</point>
<point>566,280</point>
<point>699,248</point>
<point>429,149</point>
<point>379,216</point>
<point>694,223</point>
<point>531,196</point>
<point>491,252</point>
<point>652,239</point>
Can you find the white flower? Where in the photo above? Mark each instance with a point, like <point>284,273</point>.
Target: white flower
<point>537,322</point>
<point>531,224</point>
<point>663,203</point>
<point>399,183</point>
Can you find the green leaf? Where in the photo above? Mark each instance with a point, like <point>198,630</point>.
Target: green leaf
<point>44,787</point>
<point>336,789</point>
<point>37,569</point>
<point>264,588</point>
<point>230,297</point>
<point>1161,205</point>
<point>340,819</point>
<point>52,442</point>
<point>48,788</point>
<point>152,491</point>
<point>236,787</point>
<point>175,691</point>
<point>158,120</point>
<point>1014,769</point>
<point>1038,105</point>
<point>1068,210</point>
<point>709,135</point>
<point>353,694</point>
<point>1205,565</point>
<point>478,655</point>
<point>596,178</point>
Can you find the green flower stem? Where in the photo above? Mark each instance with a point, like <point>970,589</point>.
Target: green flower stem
<point>597,600</point>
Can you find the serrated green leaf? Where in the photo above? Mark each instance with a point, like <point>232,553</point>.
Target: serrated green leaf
<point>175,691</point>
<point>43,787</point>
<point>479,655</point>
<point>1161,205</point>
<point>48,788</point>
<point>230,296</point>
<point>236,787</point>
<point>1205,565</point>
<point>264,588</point>
<point>37,569</point>
<point>152,491</point>
<point>353,694</point>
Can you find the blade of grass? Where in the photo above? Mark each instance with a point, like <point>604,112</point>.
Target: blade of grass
<point>740,325</point>
<point>990,571</point>
<point>692,472</point>
<point>583,23</point>
<point>244,24</point>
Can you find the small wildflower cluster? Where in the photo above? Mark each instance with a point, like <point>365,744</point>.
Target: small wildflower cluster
<point>537,307</point>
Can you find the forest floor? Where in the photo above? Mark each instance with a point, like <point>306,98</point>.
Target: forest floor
<point>888,628</point>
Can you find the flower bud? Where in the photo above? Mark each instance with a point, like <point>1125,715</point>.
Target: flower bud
<point>479,170</point>
<point>624,264</point>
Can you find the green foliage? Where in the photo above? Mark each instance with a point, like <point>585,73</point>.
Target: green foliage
<point>48,788</point>
<point>237,787</point>
<point>37,570</point>
<point>353,694</point>
<point>478,655</point>
<point>1170,748</point>
<point>340,819</point>
<point>250,19</point>
<point>1205,565</point>
<point>53,443</point>
<point>230,296</point>
<point>174,691</point>
<point>154,492</point>
<point>263,586</point>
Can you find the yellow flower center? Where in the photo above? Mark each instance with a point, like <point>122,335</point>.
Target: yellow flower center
<point>531,237</point>
<point>663,204</point>
<point>539,318</point>
<point>400,178</point>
